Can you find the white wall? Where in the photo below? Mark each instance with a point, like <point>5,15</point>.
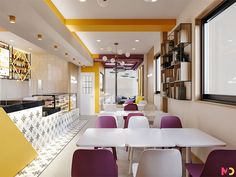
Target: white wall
<point>215,119</point>
<point>52,71</point>
<point>12,89</point>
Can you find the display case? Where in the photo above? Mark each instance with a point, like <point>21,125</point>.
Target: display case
<point>64,101</point>
<point>176,63</point>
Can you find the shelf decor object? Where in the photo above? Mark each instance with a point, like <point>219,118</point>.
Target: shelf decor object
<point>176,62</point>
<point>20,65</point>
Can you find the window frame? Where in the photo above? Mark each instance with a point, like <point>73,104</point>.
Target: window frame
<point>157,57</point>
<point>224,99</point>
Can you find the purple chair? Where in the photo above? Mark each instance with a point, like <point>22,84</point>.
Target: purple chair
<point>93,163</point>
<point>131,107</point>
<point>129,102</point>
<point>217,164</point>
<point>170,122</point>
<point>129,116</point>
<point>107,122</point>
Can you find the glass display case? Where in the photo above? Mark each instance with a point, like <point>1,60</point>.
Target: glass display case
<point>64,101</point>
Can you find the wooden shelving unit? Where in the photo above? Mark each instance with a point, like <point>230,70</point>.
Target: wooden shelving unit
<point>176,62</point>
<point>20,65</point>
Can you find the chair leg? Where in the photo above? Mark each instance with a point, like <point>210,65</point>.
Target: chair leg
<point>114,152</point>
<point>128,153</point>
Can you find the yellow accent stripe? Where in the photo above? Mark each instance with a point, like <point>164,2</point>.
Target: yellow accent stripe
<point>15,151</point>
<point>55,10</point>
<point>81,43</point>
<point>159,25</point>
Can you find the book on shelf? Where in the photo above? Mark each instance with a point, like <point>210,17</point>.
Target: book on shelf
<point>188,90</point>
<point>185,71</point>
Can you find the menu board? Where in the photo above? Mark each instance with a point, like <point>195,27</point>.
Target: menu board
<point>4,62</point>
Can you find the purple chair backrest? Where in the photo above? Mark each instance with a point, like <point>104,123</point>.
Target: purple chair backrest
<point>93,163</point>
<point>129,116</point>
<point>218,163</point>
<point>131,107</point>
<point>170,122</point>
<point>129,102</point>
<point>106,122</point>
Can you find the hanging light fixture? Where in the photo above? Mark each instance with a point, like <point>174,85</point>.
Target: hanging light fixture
<point>116,54</point>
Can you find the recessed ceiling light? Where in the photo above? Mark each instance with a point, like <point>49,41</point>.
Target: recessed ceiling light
<point>82,0</point>
<point>66,54</point>
<point>39,37</point>
<point>11,40</point>
<point>12,19</point>
<point>101,48</point>
<point>30,48</point>
<point>133,48</point>
<point>74,59</point>
<point>137,40</point>
<point>55,47</point>
<point>150,0</point>
<point>230,40</point>
<point>98,40</point>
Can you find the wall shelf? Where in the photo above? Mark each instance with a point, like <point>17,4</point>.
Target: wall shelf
<point>176,62</point>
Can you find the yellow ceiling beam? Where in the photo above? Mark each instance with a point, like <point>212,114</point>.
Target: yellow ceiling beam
<point>123,25</point>
<point>55,10</point>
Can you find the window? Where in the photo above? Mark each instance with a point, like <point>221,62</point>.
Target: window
<point>219,54</point>
<point>157,69</point>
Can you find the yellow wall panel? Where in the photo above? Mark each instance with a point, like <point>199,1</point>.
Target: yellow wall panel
<point>15,151</point>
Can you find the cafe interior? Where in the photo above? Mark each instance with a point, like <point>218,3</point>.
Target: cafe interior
<point>95,88</point>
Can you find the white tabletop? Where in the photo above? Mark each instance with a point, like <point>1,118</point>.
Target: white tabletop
<point>102,137</point>
<point>146,137</point>
<point>191,137</point>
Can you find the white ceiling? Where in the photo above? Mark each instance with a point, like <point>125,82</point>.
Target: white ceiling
<point>126,41</point>
<point>122,9</point>
<point>19,43</point>
<point>35,17</point>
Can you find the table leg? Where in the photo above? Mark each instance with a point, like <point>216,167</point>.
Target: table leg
<point>188,158</point>
<point>131,160</point>
<point>128,153</point>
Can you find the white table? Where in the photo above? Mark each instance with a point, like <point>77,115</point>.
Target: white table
<point>102,137</point>
<point>145,138</point>
<point>190,137</point>
<point>148,137</point>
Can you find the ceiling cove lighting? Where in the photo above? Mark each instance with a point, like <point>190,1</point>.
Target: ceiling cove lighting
<point>12,19</point>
